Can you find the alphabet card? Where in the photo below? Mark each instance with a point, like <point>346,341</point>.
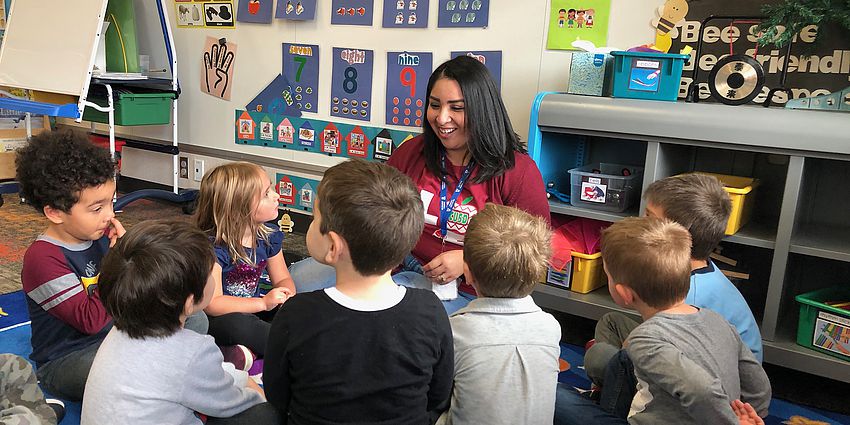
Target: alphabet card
<point>492,59</point>
<point>301,68</point>
<point>351,83</point>
<point>405,14</point>
<point>296,10</point>
<point>352,12</point>
<point>407,81</point>
<point>464,13</point>
<point>255,11</point>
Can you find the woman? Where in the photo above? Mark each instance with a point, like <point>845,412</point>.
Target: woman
<point>468,155</point>
<point>469,144</point>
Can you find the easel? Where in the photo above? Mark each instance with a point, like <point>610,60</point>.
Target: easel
<point>35,30</point>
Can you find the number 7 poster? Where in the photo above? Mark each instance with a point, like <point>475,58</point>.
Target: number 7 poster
<point>407,81</point>
<point>301,68</point>
<point>351,83</point>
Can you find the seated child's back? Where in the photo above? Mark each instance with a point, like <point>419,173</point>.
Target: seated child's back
<point>149,369</point>
<point>367,350</point>
<point>506,347</point>
<point>700,204</point>
<point>690,363</point>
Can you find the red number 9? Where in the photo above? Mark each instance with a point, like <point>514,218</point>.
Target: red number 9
<point>407,77</point>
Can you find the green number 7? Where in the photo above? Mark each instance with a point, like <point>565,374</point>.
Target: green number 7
<point>301,60</point>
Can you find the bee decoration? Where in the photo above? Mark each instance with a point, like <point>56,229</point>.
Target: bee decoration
<point>670,16</point>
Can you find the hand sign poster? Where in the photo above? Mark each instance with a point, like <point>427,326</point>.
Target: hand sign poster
<point>217,67</point>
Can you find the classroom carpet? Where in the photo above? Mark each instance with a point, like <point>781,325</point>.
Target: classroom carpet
<point>15,333</point>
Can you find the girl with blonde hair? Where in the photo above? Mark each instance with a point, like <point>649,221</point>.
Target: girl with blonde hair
<point>234,203</point>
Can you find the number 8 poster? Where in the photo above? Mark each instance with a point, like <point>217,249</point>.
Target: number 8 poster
<point>407,81</point>
<point>351,83</point>
<point>301,68</point>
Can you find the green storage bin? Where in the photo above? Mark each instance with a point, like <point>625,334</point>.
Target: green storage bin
<point>823,327</point>
<point>134,109</point>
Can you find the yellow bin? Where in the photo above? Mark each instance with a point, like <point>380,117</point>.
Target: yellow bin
<point>741,192</point>
<point>585,275</point>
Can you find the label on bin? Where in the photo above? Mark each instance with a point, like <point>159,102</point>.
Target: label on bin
<point>832,333</point>
<point>593,192</point>
<point>645,75</point>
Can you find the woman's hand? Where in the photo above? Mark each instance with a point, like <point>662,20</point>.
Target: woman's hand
<point>445,267</point>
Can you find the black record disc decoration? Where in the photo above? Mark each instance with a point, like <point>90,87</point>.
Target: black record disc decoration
<point>736,79</point>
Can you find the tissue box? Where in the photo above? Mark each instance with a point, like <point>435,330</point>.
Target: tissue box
<point>590,74</point>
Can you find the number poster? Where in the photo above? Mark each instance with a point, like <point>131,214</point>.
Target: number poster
<point>407,81</point>
<point>492,59</point>
<point>301,68</point>
<point>352,12</point>
<point>405,14</point>
<point>351,83</point>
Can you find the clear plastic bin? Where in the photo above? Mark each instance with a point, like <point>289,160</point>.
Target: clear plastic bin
<point>606,187</point>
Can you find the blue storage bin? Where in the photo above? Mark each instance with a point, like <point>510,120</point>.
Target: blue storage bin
<point>643,75</point>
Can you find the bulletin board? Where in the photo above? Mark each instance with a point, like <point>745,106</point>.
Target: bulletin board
<point>517,32</point>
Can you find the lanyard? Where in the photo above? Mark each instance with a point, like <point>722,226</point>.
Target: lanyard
<point>447,206</point>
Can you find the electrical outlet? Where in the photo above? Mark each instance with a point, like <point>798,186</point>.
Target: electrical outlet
<point>199,169</point>
<point>184,167</point>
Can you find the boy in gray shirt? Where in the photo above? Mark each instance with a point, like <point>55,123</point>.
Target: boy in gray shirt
<point>149,369</point>
<point>506,347</point>
<point>690,364</point>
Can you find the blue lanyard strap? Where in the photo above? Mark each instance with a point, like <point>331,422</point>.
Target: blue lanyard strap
<point>447,206</point>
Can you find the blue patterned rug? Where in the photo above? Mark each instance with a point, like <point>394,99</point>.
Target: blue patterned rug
<point>15,338</point>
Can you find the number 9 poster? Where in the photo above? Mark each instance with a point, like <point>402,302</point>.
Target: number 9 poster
<point>407,81</point>
<point>351,83</point>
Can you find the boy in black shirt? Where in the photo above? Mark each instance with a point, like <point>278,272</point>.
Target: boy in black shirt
<point>366,350</point>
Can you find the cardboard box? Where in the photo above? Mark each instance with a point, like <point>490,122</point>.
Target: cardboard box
<point>7,157</point>
<point>590,74</point>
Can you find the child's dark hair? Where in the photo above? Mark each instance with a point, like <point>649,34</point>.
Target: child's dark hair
<point>375,208</point>
<point>696,201</point>
<point>54,167</point>
<point>148,275</point>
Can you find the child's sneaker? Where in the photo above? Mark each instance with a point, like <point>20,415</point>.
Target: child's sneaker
<point>239,355</point>
<point>58,408</point>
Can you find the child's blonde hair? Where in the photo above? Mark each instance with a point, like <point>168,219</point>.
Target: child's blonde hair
<point>228,197</point>
<point>507,251</point>
<point>651,256</point>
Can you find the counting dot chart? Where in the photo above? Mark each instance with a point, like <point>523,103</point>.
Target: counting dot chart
<point>407,80</point>
<point>301,68</point>
<point>351,84</point>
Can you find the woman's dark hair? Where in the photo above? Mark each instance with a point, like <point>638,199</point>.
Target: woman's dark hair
<point>147,276</point>
<point>491,137</point>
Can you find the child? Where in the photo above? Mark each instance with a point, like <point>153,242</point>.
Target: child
<point>366,350</point>
<point>690,364</point>
<point>21,400</point>
<point>700,204</point>
<point>234,203</point>
<point>70,181</point>
<point>506,348</point>
<point>149,370</point>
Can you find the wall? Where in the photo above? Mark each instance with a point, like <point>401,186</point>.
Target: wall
<point>517,28</point>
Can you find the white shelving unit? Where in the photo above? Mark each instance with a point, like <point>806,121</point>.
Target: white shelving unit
<point>799,232</point>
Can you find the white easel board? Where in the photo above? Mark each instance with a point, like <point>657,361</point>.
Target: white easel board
<point>50,45</point>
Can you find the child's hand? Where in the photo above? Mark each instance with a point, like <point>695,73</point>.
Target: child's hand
<point>746,414</point>
<point>115,231</point>
<point>274,298</point>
